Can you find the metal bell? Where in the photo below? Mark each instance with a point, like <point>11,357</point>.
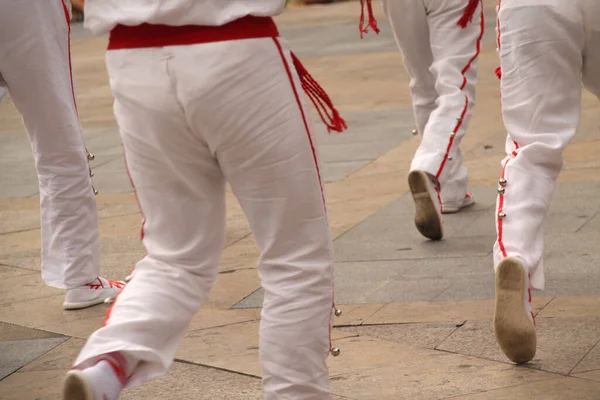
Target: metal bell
<point>91,157</point>
<point>501,190</point>
<point>501,215</point>
<point>452,134</point>
<point>91,173</point>
<point>338,312</point>
<point>459,119</point>
<point>95,192</point>
<point>415,132</point>
<point>450,158</point>
<point>502,182</point>
<point>335,352</point>
<point>128,278</point>
<point>109,300</point>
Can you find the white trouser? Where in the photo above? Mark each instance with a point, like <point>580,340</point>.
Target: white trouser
<point>35,67</point>
<point>192,118</point>
<point>546,48</point>
<point>441,59</point>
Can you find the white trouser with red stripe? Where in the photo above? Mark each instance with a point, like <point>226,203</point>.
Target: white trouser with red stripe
<point>441,59</point>
<point>546,49</point>
<point>193,118</point>
<point>35,67</point>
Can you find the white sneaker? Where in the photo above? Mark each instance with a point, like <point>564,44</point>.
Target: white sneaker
<point>428,206</point>
<point>514,322</point>
<point>451,207</point>
<point>90,294</point>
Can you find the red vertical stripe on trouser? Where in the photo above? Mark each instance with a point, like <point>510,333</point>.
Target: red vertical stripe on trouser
<point>499,69</point>
<point>314,153</point>
<point>462,86</point>
<point>477,48</point>
<point>530,299</point>
<point>500,208</point>
<point>498,25</point>
<point>451,141</point>
<point>116,360</point>
<point>514,152</point>
<point>68,18</point>
<point>312,146</point>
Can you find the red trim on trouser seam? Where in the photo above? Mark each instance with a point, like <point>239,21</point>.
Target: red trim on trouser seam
<point>68,18</point>
<point>118,363</point>
<point>467,16</point>
<point>530,299</point>
<point>451,141</point>
<point>498,71</point>
<point>314,153</point>
<point>514,152</point>
<point>312,146</point>
<point>500,207</point>
<point>477,49</point>
<point>462,86</point>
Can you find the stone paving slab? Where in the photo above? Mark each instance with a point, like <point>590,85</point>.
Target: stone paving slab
<point>16,353</point>
<point>453,311</point>
<point>428,335</point>
<point>400,372</point>
<point>591,375</point>
<point>459,267</point>
<point>554,389</point>
<point>371,134</point>
<point>562,342</point>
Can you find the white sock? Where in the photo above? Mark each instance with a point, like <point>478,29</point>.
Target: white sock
<point>103,378</point>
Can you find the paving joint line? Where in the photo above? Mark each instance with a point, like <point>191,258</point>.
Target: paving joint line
<point>582,358</point>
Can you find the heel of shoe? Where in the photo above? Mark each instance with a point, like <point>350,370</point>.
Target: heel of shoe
<point>76,387</point>
<point>513,327</point>
<point>428,219</point>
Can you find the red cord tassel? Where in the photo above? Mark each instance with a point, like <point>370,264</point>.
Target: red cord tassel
<point>498,72</point>
<point>372,21</point>
<point>468,14</point>
<point>329,115</point>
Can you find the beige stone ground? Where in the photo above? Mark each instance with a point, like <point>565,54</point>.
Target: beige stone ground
<point>389,351</point>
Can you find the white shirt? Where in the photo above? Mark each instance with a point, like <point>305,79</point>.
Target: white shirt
<point>102,15</point>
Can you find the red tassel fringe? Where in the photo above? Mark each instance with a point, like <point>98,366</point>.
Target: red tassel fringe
<point>364,28</point>
<point>329,115</point>
<point>468,14</point>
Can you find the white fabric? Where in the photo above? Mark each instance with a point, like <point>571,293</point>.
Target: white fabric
<point>436,51</point>
<point>102,15</point>
<point>192,118</point>
<point>547,47</point>
<point>103,379</point>
<point>34,63</point>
